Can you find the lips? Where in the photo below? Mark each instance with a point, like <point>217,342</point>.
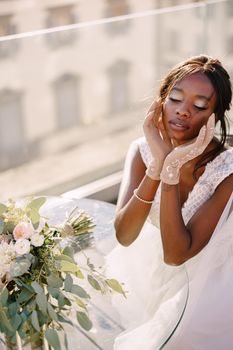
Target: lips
<point>178,125</point>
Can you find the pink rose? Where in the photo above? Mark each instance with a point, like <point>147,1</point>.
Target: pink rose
<point>23,230</point>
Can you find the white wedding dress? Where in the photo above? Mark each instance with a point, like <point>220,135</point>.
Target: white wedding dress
<point>187,307</point>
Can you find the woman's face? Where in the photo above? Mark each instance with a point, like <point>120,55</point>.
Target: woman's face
<point>188,106</point>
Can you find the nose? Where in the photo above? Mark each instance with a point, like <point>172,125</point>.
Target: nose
<point>183,111</point>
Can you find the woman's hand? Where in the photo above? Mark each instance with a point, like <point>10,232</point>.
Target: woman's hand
<point>182,154</point>
<point>157,138</point>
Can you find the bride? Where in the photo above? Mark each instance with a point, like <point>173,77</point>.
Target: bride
<point>174,218</point>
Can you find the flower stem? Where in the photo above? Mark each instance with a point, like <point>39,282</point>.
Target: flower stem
<point>18,342</point>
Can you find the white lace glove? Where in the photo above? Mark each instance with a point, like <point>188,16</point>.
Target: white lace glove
<point>157,139</point>
<point>182,154</point>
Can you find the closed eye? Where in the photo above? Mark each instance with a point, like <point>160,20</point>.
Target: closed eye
<point>200,108</point>
<point>174,99</point>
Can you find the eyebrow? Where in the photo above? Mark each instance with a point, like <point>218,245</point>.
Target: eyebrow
<point>208,98</point>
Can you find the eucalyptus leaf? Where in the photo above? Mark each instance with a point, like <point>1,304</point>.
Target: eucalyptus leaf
<point>35,218</point>
<point>36,203</point>
<point>12,308</point>
<point>54,281</point>
<point>68,283</point>
<point>5,321</point>
<point>20,267</point>
<point>16,321</point>
<point>84,320</point>
<point>80,303</point>
<point>69,251</point>
<point>93,282</point>
<point>21,284</point>
<point>79,291</point>
<point>8,227</point>
<point>41,301</point>
<point>24,295</point>
<point>4,296</point>
<point>33,210</point>
<point>35,321</point>
<point>37,288</point>
<point>61,300</point>
<point>52,312</point>
<point>43,319</point>
<point>115,285</point>
<point>54,292</point>
<point>3,208</point>
<point>67,266</point>
<point>65,258</point>
<point>53,339</point>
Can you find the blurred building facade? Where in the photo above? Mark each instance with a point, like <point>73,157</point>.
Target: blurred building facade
<point>62,88</point>
<point>50,83</point>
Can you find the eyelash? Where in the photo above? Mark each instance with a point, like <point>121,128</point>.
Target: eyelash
<point>200,108</point>
<point>197,107</point>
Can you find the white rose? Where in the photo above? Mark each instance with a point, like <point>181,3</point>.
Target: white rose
<point>23,230</point>
<point>37,240</point>
<point>22,246</point>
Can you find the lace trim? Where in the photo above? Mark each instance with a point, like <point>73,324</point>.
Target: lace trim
<point>215,172</point>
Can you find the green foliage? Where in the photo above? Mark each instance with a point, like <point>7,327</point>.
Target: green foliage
<point>115,285</point>
<point>40,287</point>
<point>33,210</point>
<point>84,320</point>
<point>35,321</point>
<point>93,282</point>
<point>53,339</point>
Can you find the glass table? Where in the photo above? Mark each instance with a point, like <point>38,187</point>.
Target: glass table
<point>106,324</point>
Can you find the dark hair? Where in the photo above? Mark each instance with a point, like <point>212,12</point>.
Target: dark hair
<point>220,80</point>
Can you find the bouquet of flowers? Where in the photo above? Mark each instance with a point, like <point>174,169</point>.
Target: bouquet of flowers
<point>39,274</point>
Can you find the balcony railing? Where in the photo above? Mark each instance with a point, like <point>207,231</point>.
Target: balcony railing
<point>74,108</point>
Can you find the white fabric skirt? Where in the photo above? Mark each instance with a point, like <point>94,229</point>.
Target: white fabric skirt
<point>175,308</point>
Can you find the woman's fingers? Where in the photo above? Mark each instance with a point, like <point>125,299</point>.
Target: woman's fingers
<point>158,112</point>
<point>198,143</point>
<point>205,134</point>
<point>155,109</point>
<point>163,132</point>
<point>152,106</point>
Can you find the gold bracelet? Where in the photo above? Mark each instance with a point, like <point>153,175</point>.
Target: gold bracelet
<point>140,199</point>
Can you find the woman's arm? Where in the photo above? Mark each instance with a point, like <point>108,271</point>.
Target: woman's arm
<point>131,212</point>
<point>181,242</point>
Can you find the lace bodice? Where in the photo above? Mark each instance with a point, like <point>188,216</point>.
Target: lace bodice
<point>215,172</point>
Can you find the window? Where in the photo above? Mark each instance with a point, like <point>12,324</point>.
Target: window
<point>119,89</point>
<point>66,91</point>
<point>12,143</point>
<point>7,48</point>
<point>61,16</point>
<point>117,8</point>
